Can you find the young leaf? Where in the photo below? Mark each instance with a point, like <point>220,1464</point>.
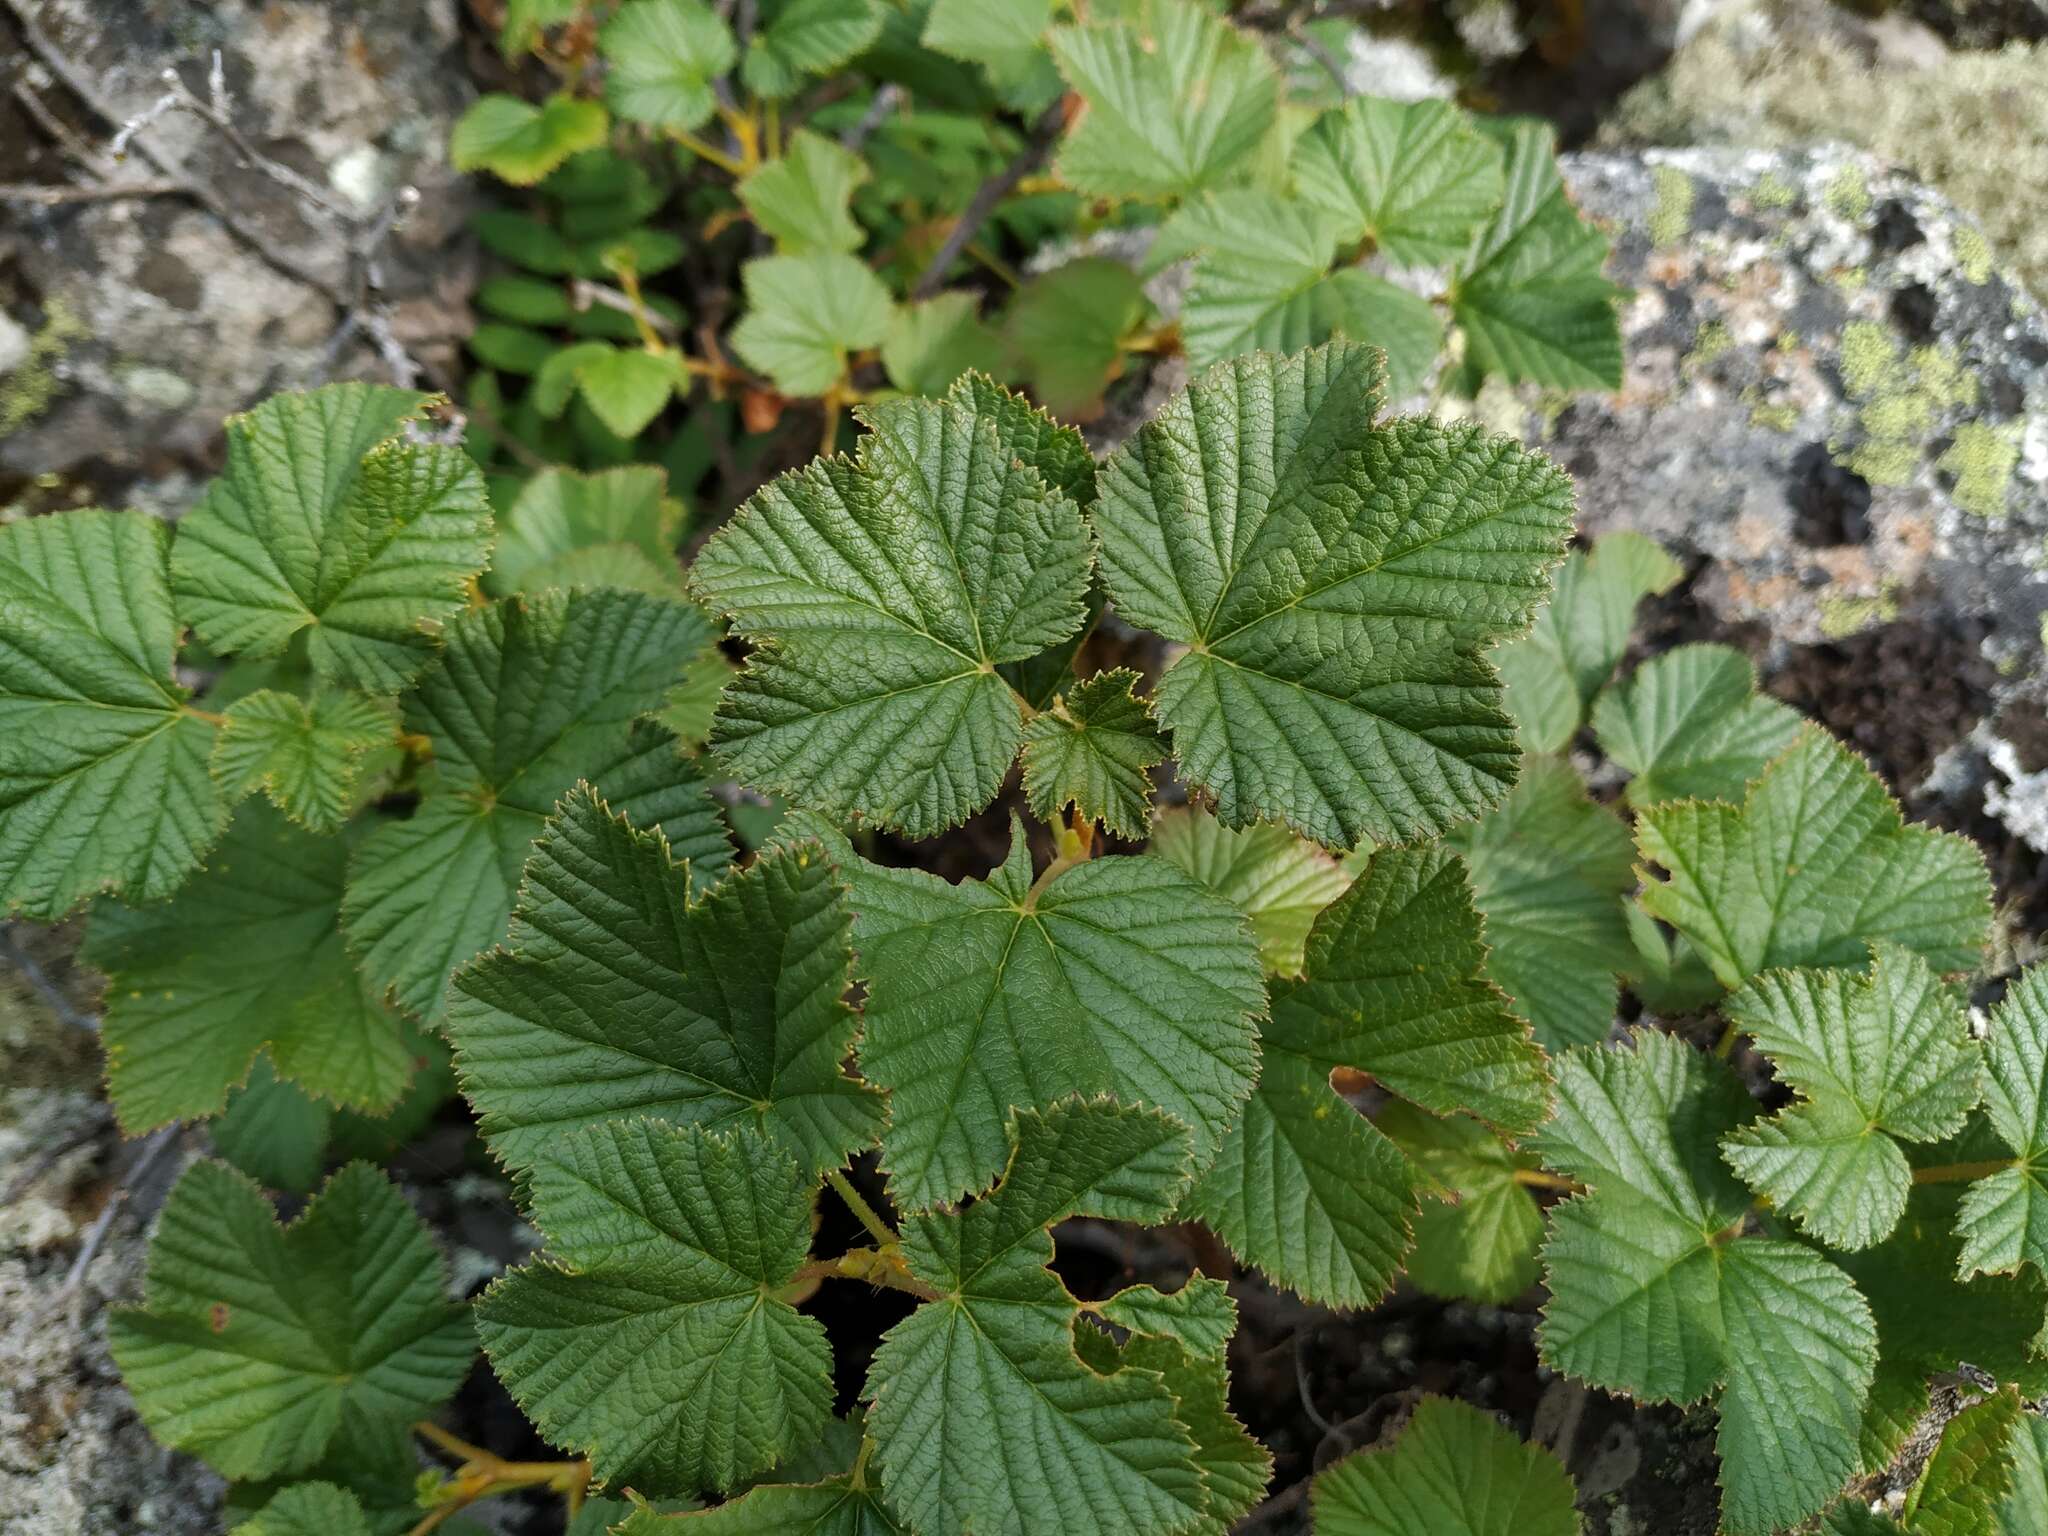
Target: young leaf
<point>1529,294</point>
<point>308,1509</point>
<point>1549,868</point>
<point>2003,1221</point>
<point>1336,584</point>
<point>103,781</point>
<point>520,143</point>
<point>649,1335</point>
<point>1090,750</point>
<point>1175,102</point>
<point>330,519</point>
<point>1553,671</point>
<point>719,1012</point>
<point>528,696</point>
<point>1651,1293</point>
<point>1354,303</point>
<point>258,1346</point>
<point>807,37</point>
<point>1815,866</point>
<point>1393,988</point>
<point>1260,262</point>
<point>800,199</point>
<point>1200,1316</point>
<point>930,344</point>
<point>805,313</point>
<point>561,519</point>
<point>881,593</point>
<point>992,1363</point>
<point>626,387</point>
<point>1456,1471</point>
<point>662,58</point>
<point>1476,1240</point>
<point>305,755</point>
<point>1690,725</point>
<point>1064,328</point>
<point>1121,976</point>
<point>1276,879</point>
<point>272,1131</point>
<point>248,957</point>
<point>1872,1058</point>
<point>1414,177</point>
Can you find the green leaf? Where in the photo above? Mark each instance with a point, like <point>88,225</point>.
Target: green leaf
<point>1959,1490</point>
<point>308,1509</point>
<point>1337,585</point>
<point>723,1011</point>
<point>511,348</point>
<point>103,781</point>
<point>930,344</point>
<point>807,37</point>
<point>1279,881</point>
<point>305,755</point>
<point>1121,976</point>
<point>329,519</point>
<point>520,143</point>
<point>1414,177</point>
<point>1260,262</point>
<point>1090,750</point>
<point>1573,647</point>
<point>805,313</point>
<point>662,57</point>
<point>1651,1293</point>
<point>801,199</point>
<point>246,958</point>
<point>1456,1471</point>
<point>1549,869</point>
<point>834,1507</point>
<point>1200,1316</point>
<point>1064,327</point>
<point>991,1362</point>
<point>527,300</point>
<point>2021,1508</point>
<point>1871,1058</point>
<point>693,702</point>
<point>1393,988</point>
<point>880,593</point>
<point>273,1132</point>
<point>2003,1221</point>
<point>1690,725</point>
<point>1529,294</point>
<point>626,387</point>
<point>649,1334</point>
<point>528,696</point>
<point>1477,1239</point>
<point>1354,303</point>
<point>562,518</point>
<point>1815,867</point>
<point>523,241</point>
<point>1175,101</point>
<point>257,1346</point>
<point>1005,35</point>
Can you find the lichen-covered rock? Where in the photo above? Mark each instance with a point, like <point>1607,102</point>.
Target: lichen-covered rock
<point>1789,72</point>
<point>1836,405</point>
<point>140,322</point>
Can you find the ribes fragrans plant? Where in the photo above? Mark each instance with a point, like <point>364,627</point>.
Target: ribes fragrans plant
<point>408,810</point>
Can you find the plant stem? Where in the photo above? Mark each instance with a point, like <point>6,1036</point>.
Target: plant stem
<point>704,151</point>
<point>1536,1178</point>
<point>1725,1046</point>
<point>483,1474</point>
<point>1963,1173</point>
<point>878,1229</point>
<point>882,1266</point>
<point>207,715</point>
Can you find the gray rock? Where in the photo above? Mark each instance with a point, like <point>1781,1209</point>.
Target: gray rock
<point>149,319</point>
<point>1837,407</point>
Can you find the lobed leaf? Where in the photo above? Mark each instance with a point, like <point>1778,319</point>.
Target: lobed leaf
<point>807,37</point>
<point>308,1509</point>
<point>1477,1238</point>
<point>1414,177</point>
<point>805,314</point>
<point>521,143</point>
<point>801,199</point>
<point>565,526</point>
<point>1091,750</point>
<point>2003,1220</point>
<point>1690,725</point>
<point>1455,1471</point>
<point>257,1347</point>
<point>649,1335</point>
<point>1277,880</point>
<point>1336,584</point>
<point>663,58</point>
<point>881,594</point>
<point>103,781</point>
<point>329,519</point>
<point>306,755</point>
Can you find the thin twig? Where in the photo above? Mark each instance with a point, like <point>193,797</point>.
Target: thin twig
<point>990,193</point>
<point>51,1155</point>
<point>16,192</point>
<point>583,293</point>
<point>69,1293</point>
<point>885,102</point>
<point>1313,47</point>
<point>52,994</point>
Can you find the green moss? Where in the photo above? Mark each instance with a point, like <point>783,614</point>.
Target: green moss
<point>1713,339</point>
<point>27,392</point>
<point>1771,191</point>
<point>1869,355</point>
<point>1972,254</point>
<point>1902,400</point>
<point>1842,615</point>
<point>1672,216</point>
<point>1980,462</point>
<point>1771,415</point>
<point>1849,194</point>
